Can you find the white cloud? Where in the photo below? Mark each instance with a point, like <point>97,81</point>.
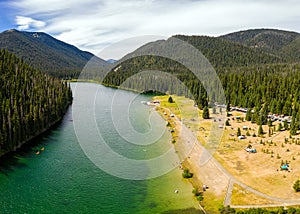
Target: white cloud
<point>93,24</point>
<point>26,23</point>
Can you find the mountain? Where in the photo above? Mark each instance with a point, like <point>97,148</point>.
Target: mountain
<point>223,54</point>
<point>46,53</point>
<point>277,42</point>
<point>251,77</point>
<point>111,61</point>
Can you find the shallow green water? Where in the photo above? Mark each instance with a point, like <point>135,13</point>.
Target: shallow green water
<point>62,179</point>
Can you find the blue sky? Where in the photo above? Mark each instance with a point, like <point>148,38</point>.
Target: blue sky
<point>95,24</point>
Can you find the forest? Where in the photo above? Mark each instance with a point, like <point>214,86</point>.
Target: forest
<point>47,54</point>
<point>251,78</point>
<point>30,102</point>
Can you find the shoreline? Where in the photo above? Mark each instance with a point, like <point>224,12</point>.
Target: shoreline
<point>212,173</point>
<point>36,135</point>
<point>190,153</point>
<point>195,181</point>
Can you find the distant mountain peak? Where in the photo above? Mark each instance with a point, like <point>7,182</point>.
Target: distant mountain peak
<point>111,60</point>
<point>46,53</point>
<point>10,31</point>
<point>285,44</point>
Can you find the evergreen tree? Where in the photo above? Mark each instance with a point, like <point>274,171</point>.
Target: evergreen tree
<point>30,102</point>
<point>285,125</point>
<point>205,113</point>
<point>264,115</point>
<point>227,123</point>
<point>239,132</point>
<point>293,127</point>
<point>296,186</point>
<point>260,130</point>
<point>170,100</point>
<point>248,115</point>
<point>265,85</point>
<point>228,107</point>
<point>279,127</point>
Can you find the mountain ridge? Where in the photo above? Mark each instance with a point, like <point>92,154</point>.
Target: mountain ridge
<point>46,53</point>
<point>278,42</point>
<point>241,48</point>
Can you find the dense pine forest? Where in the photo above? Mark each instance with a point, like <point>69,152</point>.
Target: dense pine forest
<point>47,54</point>
<point>280,43</point>
<point>251,77</point>
<point>30,102</point>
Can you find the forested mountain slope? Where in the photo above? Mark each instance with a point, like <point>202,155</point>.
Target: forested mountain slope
<point>46,53</point>
<point>251,77</point>
<point>225,56</point>
<point>223,53</point>
<point>280,43</point>
<point>30,102</point>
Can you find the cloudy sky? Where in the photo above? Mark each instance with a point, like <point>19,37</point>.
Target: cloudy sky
<point>95,24</point>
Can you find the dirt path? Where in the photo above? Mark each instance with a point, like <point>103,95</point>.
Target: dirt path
<point>212,173</point>
<point>227,199</point>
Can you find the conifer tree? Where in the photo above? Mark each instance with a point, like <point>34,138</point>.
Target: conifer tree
<point>260,130</point>
<point>248,115</point>
<point>205,113</point>
<point>30,102</point>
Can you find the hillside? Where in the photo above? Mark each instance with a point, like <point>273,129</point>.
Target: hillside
<point>46,53</point>
<point>280,43</point>
<point>224,56</point>
<point>30,102</point>
<point>224,53</point>
<point>251,78</point>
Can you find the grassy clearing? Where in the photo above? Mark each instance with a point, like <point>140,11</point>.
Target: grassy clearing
<point>240,196</point>
<point>261,170</point>
<point>190,115</point>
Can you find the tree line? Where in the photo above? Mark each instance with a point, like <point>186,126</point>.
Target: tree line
<point>30,102</point>
<point>265,83</point>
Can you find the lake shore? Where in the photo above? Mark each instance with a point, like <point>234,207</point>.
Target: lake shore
<point>190,152</point>
<point>225,185</point>
<point>37,134</point>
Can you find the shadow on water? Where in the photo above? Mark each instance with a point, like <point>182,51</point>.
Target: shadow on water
<point>13,160</point>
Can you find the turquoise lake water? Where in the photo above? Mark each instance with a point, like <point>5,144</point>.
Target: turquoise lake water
<point>62,179</point>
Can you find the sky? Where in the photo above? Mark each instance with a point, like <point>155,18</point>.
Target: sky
<point>95,25</point>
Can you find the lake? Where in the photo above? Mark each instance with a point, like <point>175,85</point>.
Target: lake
<point>78,172</point>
